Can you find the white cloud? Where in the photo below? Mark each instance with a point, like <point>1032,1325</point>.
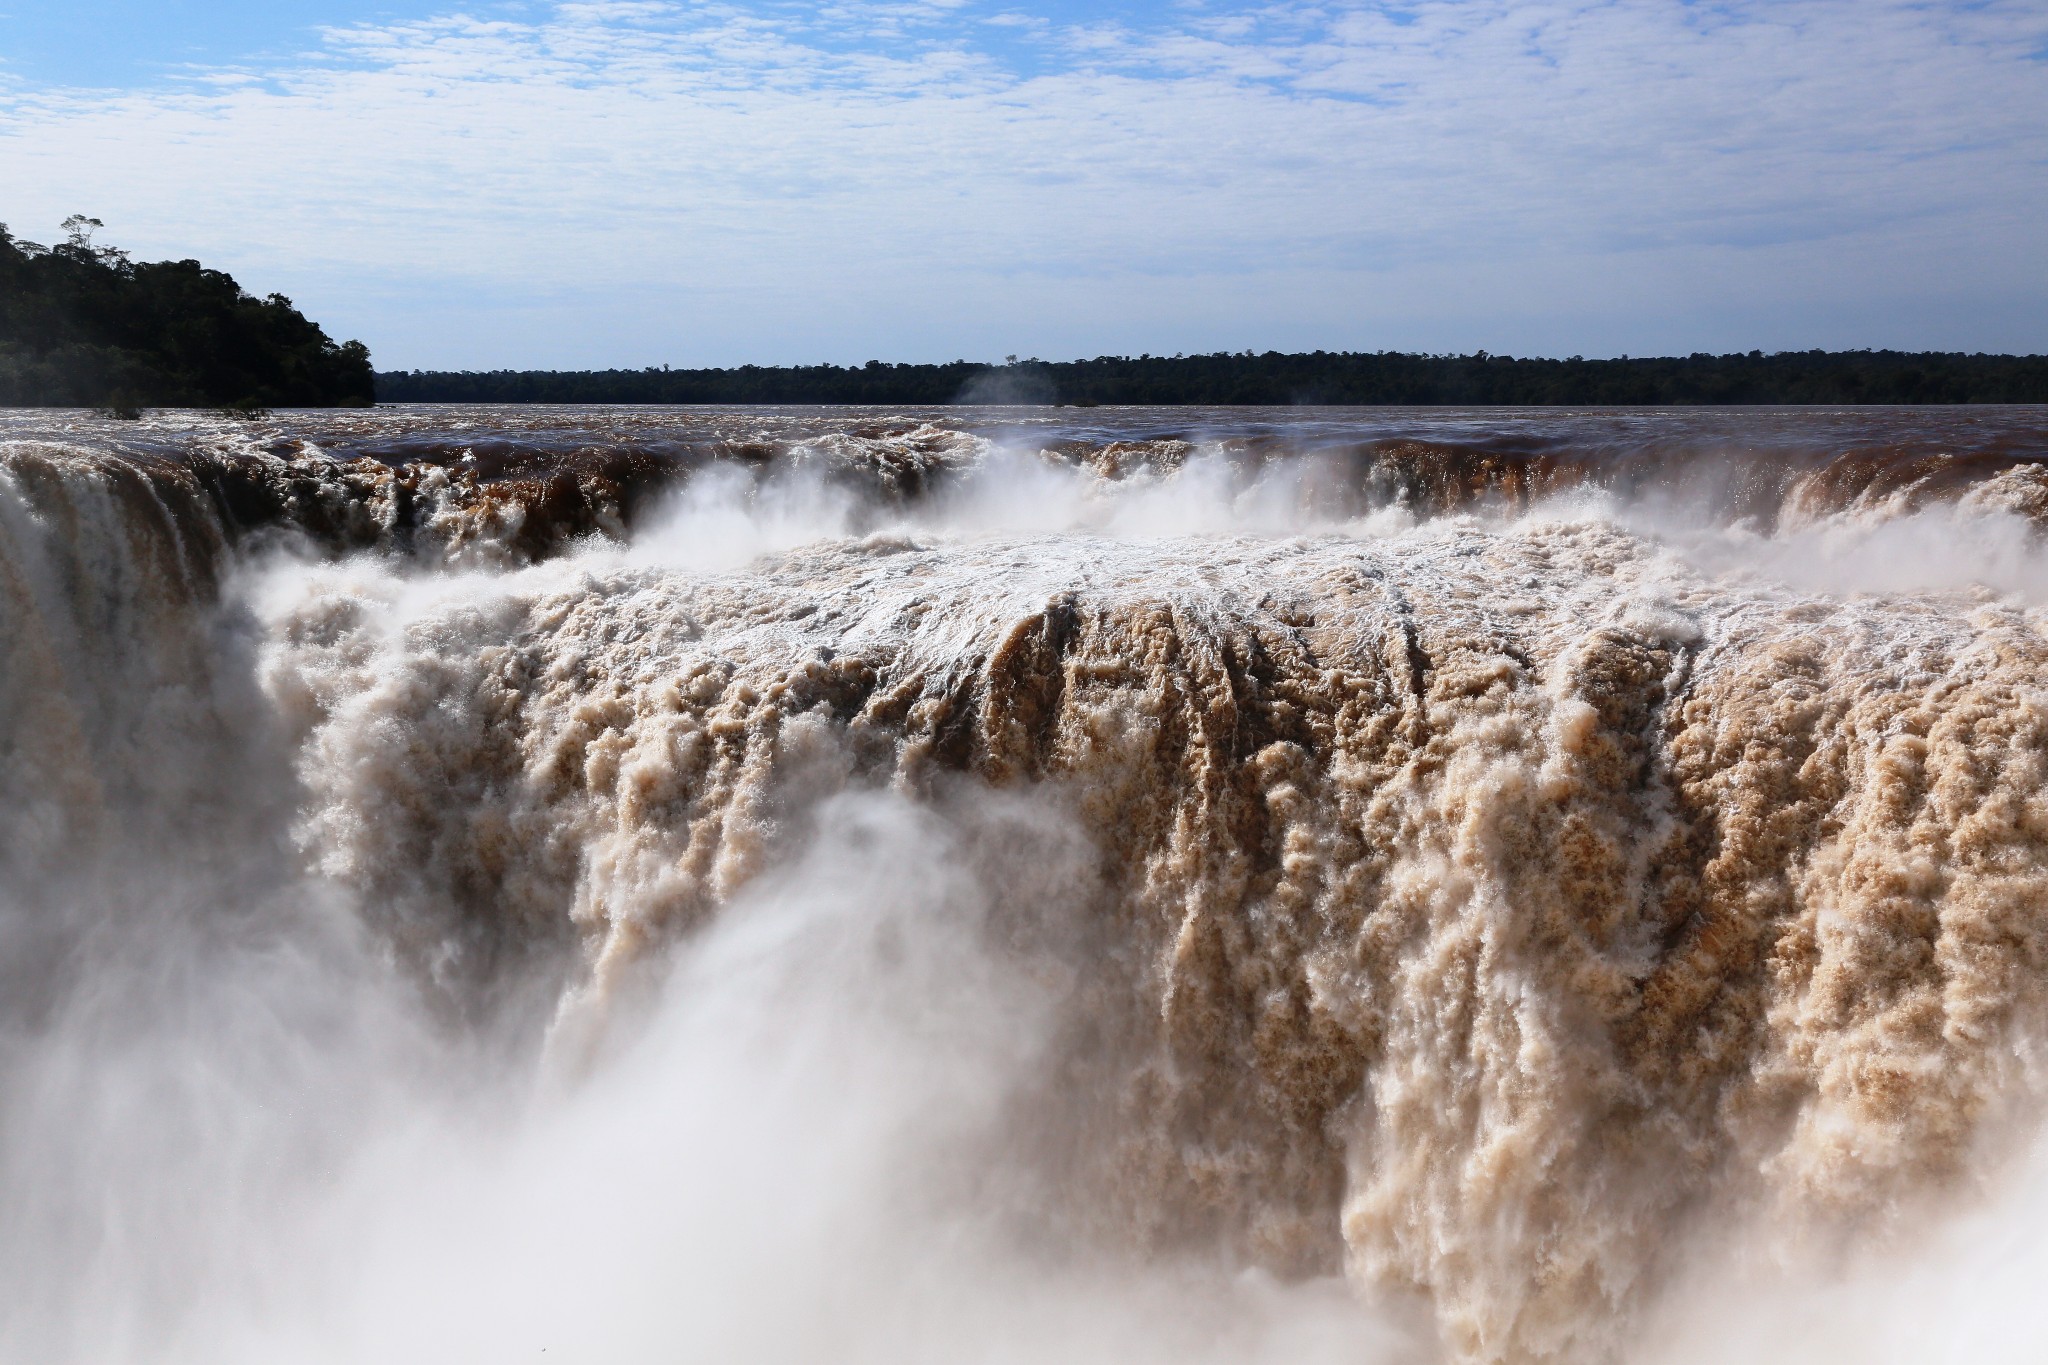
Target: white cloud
<point>624,182</point>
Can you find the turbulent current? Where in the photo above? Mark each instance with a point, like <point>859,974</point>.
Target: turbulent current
<point>1117,885</point>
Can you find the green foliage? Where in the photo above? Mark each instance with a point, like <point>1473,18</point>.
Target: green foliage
<point>754,385</point>
<point>1382,378</point>
<point>84,326</point>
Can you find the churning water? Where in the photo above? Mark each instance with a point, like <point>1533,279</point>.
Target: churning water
<point>637,885</point>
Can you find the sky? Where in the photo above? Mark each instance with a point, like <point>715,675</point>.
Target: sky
<point>646,182</point>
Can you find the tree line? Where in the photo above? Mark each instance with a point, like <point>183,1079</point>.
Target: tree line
<point>85,326</point>
<point>1381,378</point>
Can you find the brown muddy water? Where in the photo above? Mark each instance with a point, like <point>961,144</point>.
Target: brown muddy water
<point>1023,885</point>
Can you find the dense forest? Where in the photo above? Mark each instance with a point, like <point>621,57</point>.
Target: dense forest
<point>85,326</point>
<point>1377,378</point>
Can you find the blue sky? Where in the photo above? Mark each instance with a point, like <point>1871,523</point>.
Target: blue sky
<point>90,43</point>
<point>96,44</point>
<point>662,181</point>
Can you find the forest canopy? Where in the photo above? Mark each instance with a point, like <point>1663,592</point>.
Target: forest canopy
<point>84,326</point>
<point>1365,378</point>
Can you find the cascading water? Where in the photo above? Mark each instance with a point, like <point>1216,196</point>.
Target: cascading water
<point>1140,885</point>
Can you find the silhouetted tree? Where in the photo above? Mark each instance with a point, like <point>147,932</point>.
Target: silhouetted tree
<point>85,326</point>
<point>1377,378</point>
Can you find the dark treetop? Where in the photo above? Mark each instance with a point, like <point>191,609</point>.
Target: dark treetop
<point>84,326</point>
<point>1381,378</point>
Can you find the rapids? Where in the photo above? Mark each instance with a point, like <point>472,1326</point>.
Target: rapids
<point>1136,884</point>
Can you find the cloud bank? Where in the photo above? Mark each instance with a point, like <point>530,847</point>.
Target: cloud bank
<point>629,183</point>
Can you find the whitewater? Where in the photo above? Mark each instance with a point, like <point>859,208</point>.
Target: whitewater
<point>613,885</point>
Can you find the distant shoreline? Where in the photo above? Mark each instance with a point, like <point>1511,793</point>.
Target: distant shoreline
<point>1274,379</point>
